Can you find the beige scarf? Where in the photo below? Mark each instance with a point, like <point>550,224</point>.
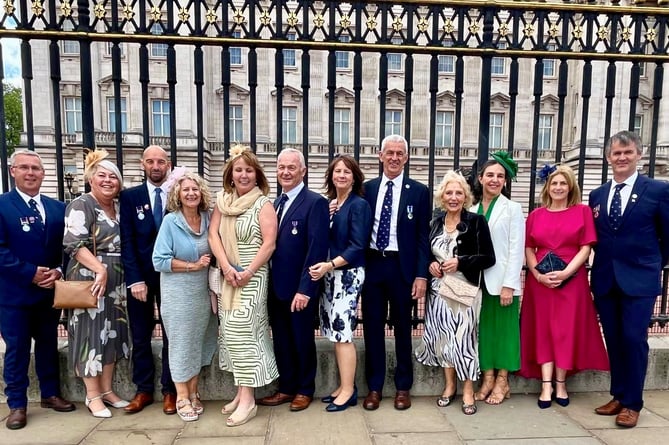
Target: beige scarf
<point>231,205</point>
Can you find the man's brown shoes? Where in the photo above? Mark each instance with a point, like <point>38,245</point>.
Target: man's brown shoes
<point>627,418</point>
<point>611,408</point>
<point>372,400</point>
<point>57,403</point>
<point>402,400</point>
<point>139,402</point>
<point>300,402</point>
<point>169,403</point>
<point>275,399</point>
<point>16,419</point>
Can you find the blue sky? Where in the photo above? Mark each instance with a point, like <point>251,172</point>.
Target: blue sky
<point>11,57</point>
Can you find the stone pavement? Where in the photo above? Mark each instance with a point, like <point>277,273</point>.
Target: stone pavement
<point>517,421</point>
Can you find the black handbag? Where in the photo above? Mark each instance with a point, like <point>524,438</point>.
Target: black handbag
<point>552,263</point>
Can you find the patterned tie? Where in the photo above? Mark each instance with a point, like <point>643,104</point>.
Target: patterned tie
<point>383,235</point>
<point>38,216</point>
<point>158,209</point>
<point>279,206</point>
<point>616,207</point>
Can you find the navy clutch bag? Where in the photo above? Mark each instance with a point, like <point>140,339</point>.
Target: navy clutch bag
<point>551,263</point>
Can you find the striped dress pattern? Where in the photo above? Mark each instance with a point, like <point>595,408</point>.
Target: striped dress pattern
<point>245,347</point>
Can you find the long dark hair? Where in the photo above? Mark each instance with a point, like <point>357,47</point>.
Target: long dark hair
<point>351,164</point>
<point>477,188</point>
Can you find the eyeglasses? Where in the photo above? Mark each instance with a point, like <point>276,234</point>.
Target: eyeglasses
<point>25,168</point>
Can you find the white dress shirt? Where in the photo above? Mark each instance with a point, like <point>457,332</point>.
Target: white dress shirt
<point>397,191</point>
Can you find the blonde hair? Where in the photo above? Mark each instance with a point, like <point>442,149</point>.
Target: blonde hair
<point>252,161</point>
<point>574,195</point>
<point>449,177</point>
<point>173,200</point>
<point>98,158</point>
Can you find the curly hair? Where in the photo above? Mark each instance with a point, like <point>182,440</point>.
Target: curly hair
<point>351,164</point>
<point>252,161</point>
<point>174,201</point>
<point>449,177</point>
<point>574,195</point>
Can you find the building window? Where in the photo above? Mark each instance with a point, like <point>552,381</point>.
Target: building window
<point>496,130</point>
<point>342,57</point>
<point>642,69</point>
<point>638,125</point>
<point>160,115</point>
<point>289,121</point>
<point>498,66</point>
<point>69,46</point>
<point>110,45</point>
<point>393,122</point>
<point>549,64</point>
<point>289,56</point>
<point>545,141</point>
<point>444,134</point>
<point>395,59</point>
<point>72,108</point>
<point>111,115</point>
<point>447,63</point>
<point>158,49</point>
<point>236,52</point>
<point>342,126</point>
<point>236,123</point>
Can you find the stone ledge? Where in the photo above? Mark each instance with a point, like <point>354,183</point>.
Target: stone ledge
<point>428,381</point>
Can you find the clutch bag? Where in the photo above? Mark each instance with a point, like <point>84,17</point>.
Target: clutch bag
<point>457,289</point>
<point>552,263</point>
<point>74,295</point>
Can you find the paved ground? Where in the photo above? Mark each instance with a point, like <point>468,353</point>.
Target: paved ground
<point>518,421</point>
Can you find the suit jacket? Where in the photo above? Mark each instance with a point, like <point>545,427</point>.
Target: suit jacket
<point>634,254</point>
<point>302,241</point>
<point>412,232</point>
<point>350,231</point>
<point>138,235</point>
<point>22,251</point>
<point>475,250</point>
<point>507,230</point>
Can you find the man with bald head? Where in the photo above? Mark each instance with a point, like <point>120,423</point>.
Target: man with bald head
<point>143,207</point>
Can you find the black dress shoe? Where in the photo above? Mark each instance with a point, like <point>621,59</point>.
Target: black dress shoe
<point>352,401</point>
<point>57,403</point>
<point>16,419</point>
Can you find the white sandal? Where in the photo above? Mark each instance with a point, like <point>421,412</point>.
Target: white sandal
<point>185,410</point>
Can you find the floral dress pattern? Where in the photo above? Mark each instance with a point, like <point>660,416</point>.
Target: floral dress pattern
<point>97,336</point>
<point>339,303</point>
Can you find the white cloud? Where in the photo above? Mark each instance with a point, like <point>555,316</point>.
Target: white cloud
<point>11,58</point>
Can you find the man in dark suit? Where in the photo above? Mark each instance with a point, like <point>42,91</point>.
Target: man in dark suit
<point>397,269</point>
<point>302,240</point>
<point>632,220</point>
<point>143,208</point>
<point>31,254</point>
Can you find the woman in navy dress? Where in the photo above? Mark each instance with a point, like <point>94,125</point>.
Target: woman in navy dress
<point>344,273</point>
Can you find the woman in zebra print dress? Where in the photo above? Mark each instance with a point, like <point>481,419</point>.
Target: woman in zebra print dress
<point>242,236</point>
<point>461,245</point>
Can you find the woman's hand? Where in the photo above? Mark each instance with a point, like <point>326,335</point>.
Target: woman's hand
<point>506,296</point>
<point>332,207</point>
<point>318,270</point>
<point>435,269</point>
<point>242,278</point>
<point>450,266</point>
<point>550,280</point>
<point>204,261</point>
<point>100,283</point>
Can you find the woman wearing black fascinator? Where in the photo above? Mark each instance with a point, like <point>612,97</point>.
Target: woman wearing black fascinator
<point>558,325</point>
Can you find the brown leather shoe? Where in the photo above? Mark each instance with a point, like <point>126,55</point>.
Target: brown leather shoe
<point>611,408</point>
<point>300,402</point>
<point>402,400</point>
<point>372,400</point>
<point>57,403</point>
<point>139,402</point>
<point>275,399</point>
<point>169,403</point>
<point>627,418</point>
<point>16,419</point>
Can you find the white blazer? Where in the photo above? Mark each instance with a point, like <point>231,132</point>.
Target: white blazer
<point>507,230</point>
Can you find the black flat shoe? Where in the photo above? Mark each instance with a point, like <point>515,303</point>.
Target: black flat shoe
<point>333,407</point>
<point>328,399</point>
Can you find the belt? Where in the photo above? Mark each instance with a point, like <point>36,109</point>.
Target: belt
<point>384,253</point>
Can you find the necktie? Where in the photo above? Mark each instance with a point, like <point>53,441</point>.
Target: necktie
<point>616,207</point>
<point>383,235</point>
<point>158,209</point>
<point>38,216</point>
<point>279,206</point>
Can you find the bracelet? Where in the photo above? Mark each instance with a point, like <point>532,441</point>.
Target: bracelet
<point>226,272</point>
<point>249,270</point>
<point>333,265</point>
<point>187,266</point>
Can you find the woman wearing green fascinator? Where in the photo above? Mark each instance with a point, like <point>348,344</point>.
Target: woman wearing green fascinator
<point>499,331</point>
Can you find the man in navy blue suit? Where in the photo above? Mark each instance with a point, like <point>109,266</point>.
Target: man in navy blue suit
<point>31,255</point>
<point>302,240</point>
<point>397,269</point>
<point>632,220</point>
<point>142,208</point>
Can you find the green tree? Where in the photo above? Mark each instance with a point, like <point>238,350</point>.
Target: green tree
<point>13,115</point>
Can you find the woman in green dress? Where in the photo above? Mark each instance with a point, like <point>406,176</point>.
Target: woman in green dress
<point>499,330</point>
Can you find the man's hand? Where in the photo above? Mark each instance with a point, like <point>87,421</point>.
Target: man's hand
<point>418,289</point>
<point>40,275</point>
<point>300,302</point>
<point>139,292</point>
<point>52,275</point>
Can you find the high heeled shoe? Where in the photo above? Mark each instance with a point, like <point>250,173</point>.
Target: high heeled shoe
<point>562,401</point>
<point>103,413</point>
<point>331,398</point>
<point>352,401</point>
<point>118,405</point>
<point>500,392</point>
<point>486,387</point>
<point>250,414</point>
<point>444,401</point>
<point>544,404</point>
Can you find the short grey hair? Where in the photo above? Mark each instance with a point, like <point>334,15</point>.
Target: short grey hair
<point>624,138</point>
<point>26,152</point>
<point>299,154</point>
<point>395,138</point>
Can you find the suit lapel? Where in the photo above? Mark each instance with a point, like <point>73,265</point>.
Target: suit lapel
<point>405,190</point>
<point>23,211</point>
<point>498,210</point>
<point>293,207</point>
<point>373,193</point>
<point>637,193</point>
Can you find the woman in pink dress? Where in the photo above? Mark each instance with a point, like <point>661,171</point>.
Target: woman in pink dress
<point>559,332</point>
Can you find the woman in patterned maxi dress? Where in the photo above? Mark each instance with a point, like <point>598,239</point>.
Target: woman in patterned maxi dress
<point>242,236</point>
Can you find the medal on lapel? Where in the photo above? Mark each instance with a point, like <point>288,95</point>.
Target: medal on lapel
<point>634,197</point>
<point>140,212</point>
<point>410,212</point>
<point>595,211</point>
<point>294,231</point>
<point>25,224</point>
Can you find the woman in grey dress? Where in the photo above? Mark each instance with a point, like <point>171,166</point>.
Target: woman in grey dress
<point>97,337</point>
<point>182,255</point>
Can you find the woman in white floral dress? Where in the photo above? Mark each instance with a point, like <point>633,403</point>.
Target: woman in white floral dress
<point>97,337</point>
